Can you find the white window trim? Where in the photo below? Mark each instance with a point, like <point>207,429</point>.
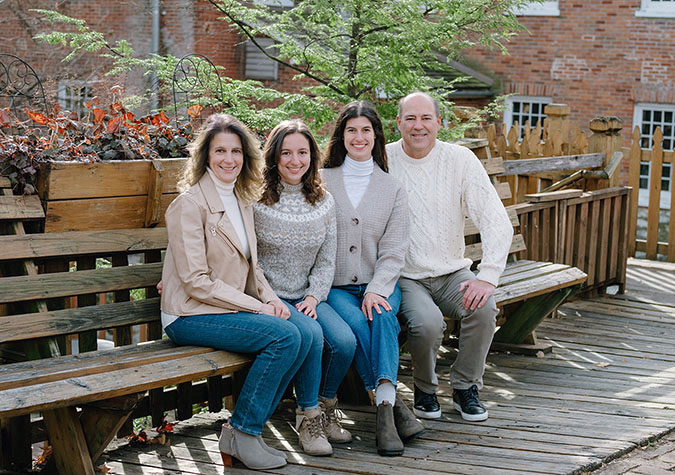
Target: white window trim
<point>61,93</point>
<point>651,9</point>
<point>640,106</point>
<point>276,3</point>
<point>508,112</point>
<point>548,8</point>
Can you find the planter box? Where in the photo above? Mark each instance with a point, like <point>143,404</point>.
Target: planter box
<point>107,195</point>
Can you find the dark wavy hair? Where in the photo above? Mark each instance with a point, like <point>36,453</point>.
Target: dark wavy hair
<point>312,187</point>
<point>336,151</point>
<point>249,180</point>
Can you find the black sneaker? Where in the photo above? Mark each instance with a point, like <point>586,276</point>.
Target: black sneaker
<point>468,404</point>
<point>426,405</point>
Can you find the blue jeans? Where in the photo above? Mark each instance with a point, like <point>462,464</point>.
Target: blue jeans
<point>376,355</point>
<point>277,343</point>
<point>339,344</point>
<point>306,381</point>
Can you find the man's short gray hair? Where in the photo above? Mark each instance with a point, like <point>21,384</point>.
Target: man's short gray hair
<point>437,107</point>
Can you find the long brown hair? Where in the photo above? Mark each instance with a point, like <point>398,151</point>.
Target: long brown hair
<point>249,180</point>
<point>336,151</point>
<point>311,180</point>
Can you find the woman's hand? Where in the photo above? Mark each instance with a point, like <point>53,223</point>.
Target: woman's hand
<point>276,308</point>
<point>159,287</point>
<point>308,306</point>
<point>372,300</point>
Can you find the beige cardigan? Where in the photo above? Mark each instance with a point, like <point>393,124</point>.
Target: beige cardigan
<point>372,239</point>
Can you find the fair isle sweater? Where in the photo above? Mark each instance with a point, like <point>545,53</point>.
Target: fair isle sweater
<point>373,237</point>
<point>296,244</point>
<point>444,187</point>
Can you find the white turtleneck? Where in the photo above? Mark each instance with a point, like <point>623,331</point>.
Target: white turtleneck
<point>356,176</point>
<point>227,196</point>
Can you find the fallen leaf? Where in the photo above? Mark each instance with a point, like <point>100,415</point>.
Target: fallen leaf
<point>115,125</point>
<point>601,365</point>
<point>38,117</point>
<point>540,354</point>
<point>102,469</point>
<point>99,114</point>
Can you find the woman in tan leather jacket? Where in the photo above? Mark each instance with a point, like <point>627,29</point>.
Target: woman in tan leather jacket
<point>213,292</point>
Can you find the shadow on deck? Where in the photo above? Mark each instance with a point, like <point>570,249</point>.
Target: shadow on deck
<point>608,386</point>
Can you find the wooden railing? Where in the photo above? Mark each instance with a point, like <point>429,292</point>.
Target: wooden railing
<point>587,230</point>
<point>656,157</point>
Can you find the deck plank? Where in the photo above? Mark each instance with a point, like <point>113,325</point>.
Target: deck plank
<point>604,390</point>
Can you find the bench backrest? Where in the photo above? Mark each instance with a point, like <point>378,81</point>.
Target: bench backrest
<point>474,250</point>
<point>78,270</point>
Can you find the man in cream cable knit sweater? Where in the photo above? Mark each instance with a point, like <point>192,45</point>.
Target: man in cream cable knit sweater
<point>445,183</point>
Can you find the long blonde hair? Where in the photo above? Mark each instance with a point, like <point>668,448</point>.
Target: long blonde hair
<point>249,181</point>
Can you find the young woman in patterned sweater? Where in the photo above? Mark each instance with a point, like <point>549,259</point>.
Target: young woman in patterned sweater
<point>295,227</point>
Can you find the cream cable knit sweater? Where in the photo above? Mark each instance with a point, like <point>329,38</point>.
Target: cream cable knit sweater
<point>444,187</point>
<point>296,244</point>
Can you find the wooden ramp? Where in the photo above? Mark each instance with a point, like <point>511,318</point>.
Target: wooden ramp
<point>608,386</point>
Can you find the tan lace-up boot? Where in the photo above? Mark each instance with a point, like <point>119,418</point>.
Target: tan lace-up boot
<point>334,430</point>
<point>309,425</point>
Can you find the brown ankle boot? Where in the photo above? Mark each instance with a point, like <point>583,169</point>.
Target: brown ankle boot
<point>387,439</point>
<point>407,425</point>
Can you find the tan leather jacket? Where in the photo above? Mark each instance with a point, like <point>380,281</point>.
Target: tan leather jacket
<point>205,270</point>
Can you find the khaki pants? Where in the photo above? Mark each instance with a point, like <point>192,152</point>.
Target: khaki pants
<point>424,302</point>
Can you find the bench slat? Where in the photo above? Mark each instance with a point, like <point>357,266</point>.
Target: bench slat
<point>475,251</point>
<point>33,246</point>
<point>538,286</point>
<point>539,271</point>
<point>64,284</point>
<point>76,320</point>
<point>20,207</point>
<point>77,391</point>
<point>470,228</point>
<point>94,362</point>
<point>521,266</point>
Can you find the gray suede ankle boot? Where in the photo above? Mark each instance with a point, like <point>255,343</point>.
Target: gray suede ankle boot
<point>387,439</point>
<point>246,448</point>
<point>407,425</point>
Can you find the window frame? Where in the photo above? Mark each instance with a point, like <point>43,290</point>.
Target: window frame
<point>547,8</point>
<point>656,9</point>
<point>65,86</point>
<point>638,111</point>
<point>508,111</point>
<point>273,76</point>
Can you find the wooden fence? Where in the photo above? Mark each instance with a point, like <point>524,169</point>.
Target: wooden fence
<point>586,162</point>
<point>587,230</point>
<point>656,157</point>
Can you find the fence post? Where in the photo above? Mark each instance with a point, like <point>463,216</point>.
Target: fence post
<point>606,138</point>
<point>557,130</point>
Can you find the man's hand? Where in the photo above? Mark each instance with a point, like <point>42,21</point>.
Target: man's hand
<point>476,293</point>
<point>372,300</point>
<point>276,308</point>
<point>308,306</point>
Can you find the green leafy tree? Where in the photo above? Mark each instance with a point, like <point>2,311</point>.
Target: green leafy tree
<point>374,49</point>
<point>259,107</point>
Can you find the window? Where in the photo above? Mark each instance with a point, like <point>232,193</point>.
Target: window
<point>548,8</point>
<point>525,108</point>
<point>657,9</point>
<point>276,3</point>
<point>259,66</point>
<point>73,95</point>
<point>648,117</point>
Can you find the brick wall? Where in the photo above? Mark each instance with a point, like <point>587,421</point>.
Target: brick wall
<point>597,57</point>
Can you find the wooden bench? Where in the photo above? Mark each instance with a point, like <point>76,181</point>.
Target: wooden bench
<point>86,398</point>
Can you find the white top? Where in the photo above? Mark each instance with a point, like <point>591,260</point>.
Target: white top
<point>227,196</point>
<point>443,188</point>
<point>356,176</point>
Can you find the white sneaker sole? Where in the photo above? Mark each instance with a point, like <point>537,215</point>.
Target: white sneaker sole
<point>427,415</point>
<point>470,417</point>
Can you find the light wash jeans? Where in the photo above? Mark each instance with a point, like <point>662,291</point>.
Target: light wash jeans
<point>376,355</point>
<point>277,343</point>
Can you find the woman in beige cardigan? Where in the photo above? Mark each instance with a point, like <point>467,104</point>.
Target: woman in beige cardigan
<point>372,239</point>
<point>213,292</point>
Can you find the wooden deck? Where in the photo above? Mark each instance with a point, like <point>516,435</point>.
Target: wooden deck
<point>608,386</point>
